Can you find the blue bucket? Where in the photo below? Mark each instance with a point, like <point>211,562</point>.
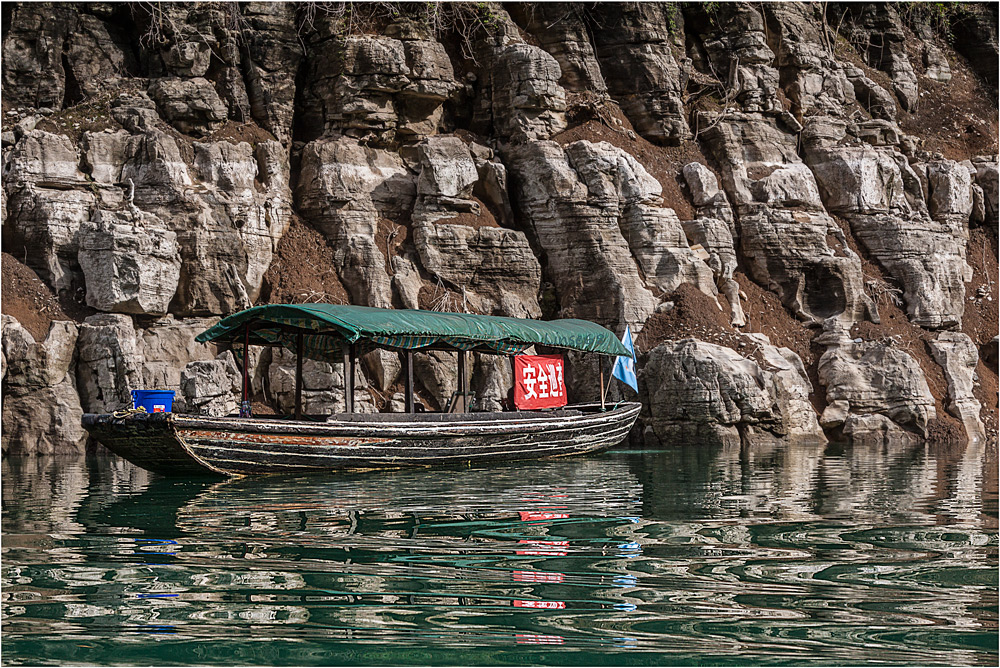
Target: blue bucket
<point>154,401</point>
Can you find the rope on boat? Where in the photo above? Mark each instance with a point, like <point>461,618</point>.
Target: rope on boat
<point>128,412</point>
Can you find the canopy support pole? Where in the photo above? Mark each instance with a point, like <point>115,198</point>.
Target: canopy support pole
<point>463,386</point>
<point>348,377</point>
<point>298,374</point>
<point>600,365</point>
<point>246,362</point>
<point>409,381</point>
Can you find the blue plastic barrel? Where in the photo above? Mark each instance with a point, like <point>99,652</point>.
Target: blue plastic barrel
<point>154,401</point>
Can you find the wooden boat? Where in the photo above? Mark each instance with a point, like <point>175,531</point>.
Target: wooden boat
<point>240,445</point>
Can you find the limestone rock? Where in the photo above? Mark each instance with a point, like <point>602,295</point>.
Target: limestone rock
<point>639,67</point>
<point>734,51</point>
<point>986,177</point>
<point>212,387</point>
<point>109,366</point>
<point>876,32</point>
<point>380,84</point>
<point>492,378</point>
<point>869,379</point>
<point>528,102</point>
<point>876,100</point>
<point>875,189</point>
<point>716,240</point>
<point>956,353</point>
<point>936,64</point>
<point>41,408</point>
<point>166,346</point>
<point>322,386</point>
<point>588,258</point>
<point>344,190</point>
<point>57,54</point>
<point>817,83</point>
<point>383,367</point>
<point>438,373</point>
<point>131,266</point>
<point>494,263</point>
<point>950,191</point>
<point>697,390</point>
<point>562,31</point>
<point>190,105</point>
<point>270,61</point>
<point>447,169</point>
<point>406,281</point>
<point>784,232</point>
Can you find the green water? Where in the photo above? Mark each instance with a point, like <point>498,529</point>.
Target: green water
<point>795,556</point>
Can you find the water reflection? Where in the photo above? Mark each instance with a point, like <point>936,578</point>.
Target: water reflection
<point>805,554</point>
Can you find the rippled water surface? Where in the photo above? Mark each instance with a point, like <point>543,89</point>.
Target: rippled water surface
<point>798,556</point>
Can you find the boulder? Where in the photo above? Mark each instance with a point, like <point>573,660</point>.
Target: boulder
<point>697,391</point>
<point>130,266</point>
<point>212,387</point>
<point>874,390</point>
<point>41,407</point>
<point>190,105</point>
<point>956,353</point>
<point>528,102</point>
<point>986,177</point>
<point>109,363</point>
<point>936,64</point>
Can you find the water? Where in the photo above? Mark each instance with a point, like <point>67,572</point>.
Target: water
<point>803,556</point>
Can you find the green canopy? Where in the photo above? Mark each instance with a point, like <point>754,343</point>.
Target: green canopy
<point>325,327</point>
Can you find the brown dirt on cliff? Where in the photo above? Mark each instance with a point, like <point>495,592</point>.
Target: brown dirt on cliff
<point>957,119</point>
<point>28,298</point>
<point>484,219</point>
<point>697,315</point>
<point>302,270</point>
<point>694,314</point>
<point>596,122</point>
<point>981,294</point>
<point>390,237</point>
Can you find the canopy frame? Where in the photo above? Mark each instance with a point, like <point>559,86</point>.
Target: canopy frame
<point>325,332</point>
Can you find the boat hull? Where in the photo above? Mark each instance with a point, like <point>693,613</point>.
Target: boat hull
<point>171,443</point>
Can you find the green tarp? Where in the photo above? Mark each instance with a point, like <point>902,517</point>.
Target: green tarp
<point>327,326</point>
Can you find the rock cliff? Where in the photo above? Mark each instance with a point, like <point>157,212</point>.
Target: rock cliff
<point>792,205</point>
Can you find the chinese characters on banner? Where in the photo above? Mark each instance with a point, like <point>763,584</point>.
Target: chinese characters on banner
<point>538,381</point>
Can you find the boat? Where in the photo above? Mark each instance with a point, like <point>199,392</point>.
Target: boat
<point>171,443</point>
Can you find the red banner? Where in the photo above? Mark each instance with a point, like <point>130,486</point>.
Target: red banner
<point>538,381</point>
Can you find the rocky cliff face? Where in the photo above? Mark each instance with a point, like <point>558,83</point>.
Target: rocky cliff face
<point>793,205</point>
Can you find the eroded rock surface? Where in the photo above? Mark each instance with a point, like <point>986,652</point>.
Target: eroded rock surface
<point>701,392</point>
<point>874,390</point>
<point>41,407</point>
